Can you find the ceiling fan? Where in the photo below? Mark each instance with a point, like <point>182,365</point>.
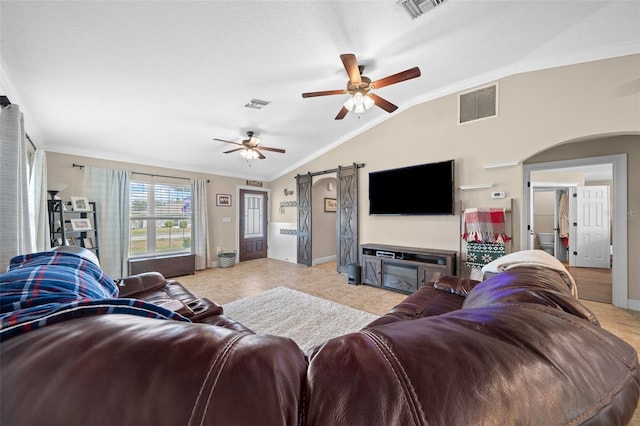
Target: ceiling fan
<point>359,87</point>
<point>249,147</point>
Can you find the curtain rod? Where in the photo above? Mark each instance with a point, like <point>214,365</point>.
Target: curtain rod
<point>4,101</point>
<point>81,166</point>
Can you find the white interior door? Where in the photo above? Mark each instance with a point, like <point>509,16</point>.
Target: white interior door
<point>593,227</point>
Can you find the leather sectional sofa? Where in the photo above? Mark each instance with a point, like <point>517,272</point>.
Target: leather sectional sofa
<point>518,348</point>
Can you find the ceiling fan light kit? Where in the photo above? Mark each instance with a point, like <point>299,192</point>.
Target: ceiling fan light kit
<point>249,154</point>
<point>359,103</point>
<point>250,148</point>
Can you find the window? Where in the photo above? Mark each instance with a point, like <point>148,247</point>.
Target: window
<point>160,218</point>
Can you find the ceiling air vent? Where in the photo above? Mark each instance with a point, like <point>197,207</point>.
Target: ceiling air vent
<point>257,104</point>
<point>416,8</point>
<point>478,104</point>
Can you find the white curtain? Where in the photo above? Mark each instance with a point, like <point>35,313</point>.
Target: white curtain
<point>200,224</point>
<point>110,190</point>
<point>38,192</point>
<point>15,229</point>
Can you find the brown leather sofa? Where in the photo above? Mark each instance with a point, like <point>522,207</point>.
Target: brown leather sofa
<point>515,349</point>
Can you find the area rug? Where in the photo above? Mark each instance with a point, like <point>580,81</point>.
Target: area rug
<point>308,320</point>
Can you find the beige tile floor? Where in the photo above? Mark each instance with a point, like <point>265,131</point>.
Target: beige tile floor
<point>224,285</point>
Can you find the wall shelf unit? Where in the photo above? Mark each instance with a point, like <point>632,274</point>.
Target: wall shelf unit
<point>61,231</point>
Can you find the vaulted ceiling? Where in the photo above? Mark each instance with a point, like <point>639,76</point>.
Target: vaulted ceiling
<point>153,82</point>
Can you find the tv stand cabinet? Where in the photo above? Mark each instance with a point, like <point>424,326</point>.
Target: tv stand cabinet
<point>404,269</point>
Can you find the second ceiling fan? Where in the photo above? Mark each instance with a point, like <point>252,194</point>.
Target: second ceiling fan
<point>359,87</point>
<point>249,147</point>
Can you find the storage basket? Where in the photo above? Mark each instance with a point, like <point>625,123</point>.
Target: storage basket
<point>227,260</point>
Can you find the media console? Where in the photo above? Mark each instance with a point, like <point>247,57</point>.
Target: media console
<point>404,269</point>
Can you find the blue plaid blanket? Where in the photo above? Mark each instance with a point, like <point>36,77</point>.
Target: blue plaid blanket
<point>48,287</point>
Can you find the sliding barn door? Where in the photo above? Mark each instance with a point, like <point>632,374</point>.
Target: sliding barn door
<point>304,219</point>
<point>347,226</point>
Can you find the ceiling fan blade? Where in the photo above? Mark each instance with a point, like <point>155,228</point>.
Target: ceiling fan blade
<point>382,103</point>
<point>260,156</point>
<point>351,66</point>
<point>222,140</point>
<point>342,113</point>
<point>324,93</point>
<point>397,78</point>
<point>266,148</point>
<point>233,150</point>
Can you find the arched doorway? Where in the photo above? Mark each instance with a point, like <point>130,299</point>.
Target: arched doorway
<point>323,225</point>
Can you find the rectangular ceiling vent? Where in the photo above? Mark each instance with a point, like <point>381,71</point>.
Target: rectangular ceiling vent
<point>416,8</point>
<point>257,104</point>
<point>478,104</point>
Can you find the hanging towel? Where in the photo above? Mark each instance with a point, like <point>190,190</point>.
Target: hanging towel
<point>483,225</point>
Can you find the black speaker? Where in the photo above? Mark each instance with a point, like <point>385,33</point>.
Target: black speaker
<point>353,272</point>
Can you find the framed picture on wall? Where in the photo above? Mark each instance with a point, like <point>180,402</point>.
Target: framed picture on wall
<point>330,205</point>
<point>223,200</point>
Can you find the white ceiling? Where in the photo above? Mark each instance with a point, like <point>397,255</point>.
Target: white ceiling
<point>153,82</point>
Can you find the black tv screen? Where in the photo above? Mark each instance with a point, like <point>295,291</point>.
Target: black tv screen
<point>425,189</point>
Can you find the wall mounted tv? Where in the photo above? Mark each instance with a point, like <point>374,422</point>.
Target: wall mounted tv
<point>425,189</point>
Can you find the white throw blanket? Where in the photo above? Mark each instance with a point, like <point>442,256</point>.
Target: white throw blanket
<point>537,258</point>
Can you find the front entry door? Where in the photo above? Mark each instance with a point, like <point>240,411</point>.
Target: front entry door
<point>253,224</point>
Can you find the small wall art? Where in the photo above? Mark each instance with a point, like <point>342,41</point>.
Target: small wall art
<point>223,200</point>
<point>330,205</point>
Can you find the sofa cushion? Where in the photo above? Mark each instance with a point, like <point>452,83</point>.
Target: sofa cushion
<point>456,285</point>
<point>533,258</point>
<point>126,370</point>
<point>508,364</point>
<point>427,301</point>
<point>152,287</point>
<point>531,285</point>
<point>135,285</point>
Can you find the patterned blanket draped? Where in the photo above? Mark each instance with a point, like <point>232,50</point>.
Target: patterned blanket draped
<point>484,232</point>
<point>479,254</point>
<point>48,287</point>
<point>484,226</point>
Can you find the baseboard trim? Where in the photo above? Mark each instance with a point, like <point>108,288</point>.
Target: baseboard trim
<point>634,305</point>
<point>320,260</point>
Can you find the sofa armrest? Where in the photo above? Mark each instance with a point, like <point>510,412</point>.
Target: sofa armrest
<point>195,310</point>
<point>426,302</point>
<point>456,285</point>
<point>134,284</point>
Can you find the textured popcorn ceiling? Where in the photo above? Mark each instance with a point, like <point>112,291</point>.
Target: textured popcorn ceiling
<point>153,82</point>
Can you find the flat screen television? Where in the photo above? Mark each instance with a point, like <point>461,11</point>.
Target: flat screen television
<point>425,189</point>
